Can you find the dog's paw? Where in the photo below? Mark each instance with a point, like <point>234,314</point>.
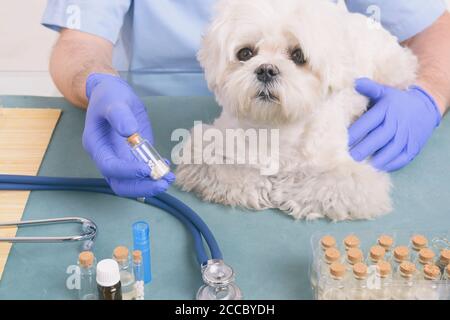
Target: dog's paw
<point>347,192</point>
<point>228,185</point>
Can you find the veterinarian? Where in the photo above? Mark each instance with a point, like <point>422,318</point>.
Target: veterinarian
<point>158,41</point>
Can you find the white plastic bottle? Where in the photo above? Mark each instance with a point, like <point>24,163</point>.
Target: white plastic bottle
<point>358,289</point>
<point>127,281</point>
<point>404,290</point>
<point>428,289</point>
<point>417,243</point>
<point>335,288</point>
<point>387,243</point>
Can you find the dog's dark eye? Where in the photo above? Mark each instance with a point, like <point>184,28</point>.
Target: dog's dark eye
<point>245,54</point>
<point>298,57</point>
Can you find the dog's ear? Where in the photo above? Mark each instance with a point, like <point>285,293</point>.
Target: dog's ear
<point>213,55</point>
<point>324,39</point>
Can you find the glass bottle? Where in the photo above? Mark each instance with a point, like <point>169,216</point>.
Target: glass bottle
<point>401,254</point>
<point>358,286</point>
<point>120,255</point>
<point>444,260</point>
<point>382,289</point>
<point>418,242</point>
<point>108,280</point>
<point>330,255</point>
<point>335,286</point>
<point>376,254</point>
<point>354,255</point>
<point>428,289</point>
<point>425,257</point>
<point>138,271</point>
<point>88,285</point>
<point>144,151</point>
<point>386,242</point>
<point>351,241</point>
<point>327,242</point>
<point>404,290</point>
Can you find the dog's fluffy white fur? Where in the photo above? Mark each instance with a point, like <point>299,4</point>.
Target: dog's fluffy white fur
<point>316,103</point>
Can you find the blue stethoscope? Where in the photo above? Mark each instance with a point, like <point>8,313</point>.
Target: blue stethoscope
<point>217,276</point>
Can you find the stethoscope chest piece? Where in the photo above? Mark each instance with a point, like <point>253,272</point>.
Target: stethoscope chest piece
<point>219,282</point>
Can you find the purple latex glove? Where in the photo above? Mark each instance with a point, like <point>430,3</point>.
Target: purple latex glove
<point>114,113</point>
<point>396,128</point>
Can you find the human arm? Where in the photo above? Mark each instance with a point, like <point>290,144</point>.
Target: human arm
<point>400,123</point>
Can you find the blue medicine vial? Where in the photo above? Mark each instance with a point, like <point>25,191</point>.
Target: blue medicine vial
<point>141,241</point>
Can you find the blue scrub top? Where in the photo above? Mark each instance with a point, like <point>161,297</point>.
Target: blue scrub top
<point>157,40</point>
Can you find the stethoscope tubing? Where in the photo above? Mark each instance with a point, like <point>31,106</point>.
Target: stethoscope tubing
<point>164,201</point>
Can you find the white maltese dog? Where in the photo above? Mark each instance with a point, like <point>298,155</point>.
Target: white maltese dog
<point>290,66</point>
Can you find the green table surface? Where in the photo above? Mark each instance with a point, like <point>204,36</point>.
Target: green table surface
<point>268,250</point>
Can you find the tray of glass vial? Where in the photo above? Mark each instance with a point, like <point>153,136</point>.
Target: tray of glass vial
<point>381,266</point>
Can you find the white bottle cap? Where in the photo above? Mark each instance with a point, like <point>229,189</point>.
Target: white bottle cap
<point>108,273</point>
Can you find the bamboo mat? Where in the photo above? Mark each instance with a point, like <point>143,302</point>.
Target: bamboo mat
<point>24,137</point>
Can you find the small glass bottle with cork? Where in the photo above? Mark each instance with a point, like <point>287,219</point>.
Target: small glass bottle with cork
<point>88,285</point>
<point>121,255</point>
<point>336,285</point>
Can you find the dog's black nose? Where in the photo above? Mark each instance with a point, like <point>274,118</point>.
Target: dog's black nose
<point>266,73</point>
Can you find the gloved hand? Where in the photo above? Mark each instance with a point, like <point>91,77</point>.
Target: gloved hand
<point>397,126</point>
<point>114,113</point>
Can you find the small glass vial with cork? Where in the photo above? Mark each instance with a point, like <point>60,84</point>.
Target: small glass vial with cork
<point>444,260</point>
<point>401,254</point>
<point>351,241</point>
<point>358,286</point>
<point>138,271</point>
<point>326,242</point>
<point>376,254</point>
<point>330,255</point>
<point>428,289</point>
<point>144,151</point>
<point>336,285</point>
<point>88,285</point>
<point>418,242</point>
<point>120,255</point>
<point>405,289</point>
<point>383,288</point>
<point>425,257</point>
<point>354,256</point>
<point>386,242</point>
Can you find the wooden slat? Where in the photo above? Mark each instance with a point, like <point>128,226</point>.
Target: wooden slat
<point>24,137</point>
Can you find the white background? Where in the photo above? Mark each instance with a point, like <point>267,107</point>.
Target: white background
<point>25,46</point>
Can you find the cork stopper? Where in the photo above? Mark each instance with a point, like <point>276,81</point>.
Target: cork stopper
<point>431,272</point>
<point>407,269</point>
<point>137,256</point>
<point>360,270</point>
<point>332,255</point>
<point>328,242</point>
<point>377,253</point>
<point>386,241</point>
<point>351,241</point>
<point>354,255</point>
<point>86,259</point>
<point>401,253</point>
<point>419,241</point>
<point>384,268</point>
<point>337,270</point>
<point>445,256</point>
<point>120,253</point>
<point>426,256</point>
<point>134,139</point>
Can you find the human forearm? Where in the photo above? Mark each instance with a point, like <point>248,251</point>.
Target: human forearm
<point>432,47</point>
<point>75,56</point>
